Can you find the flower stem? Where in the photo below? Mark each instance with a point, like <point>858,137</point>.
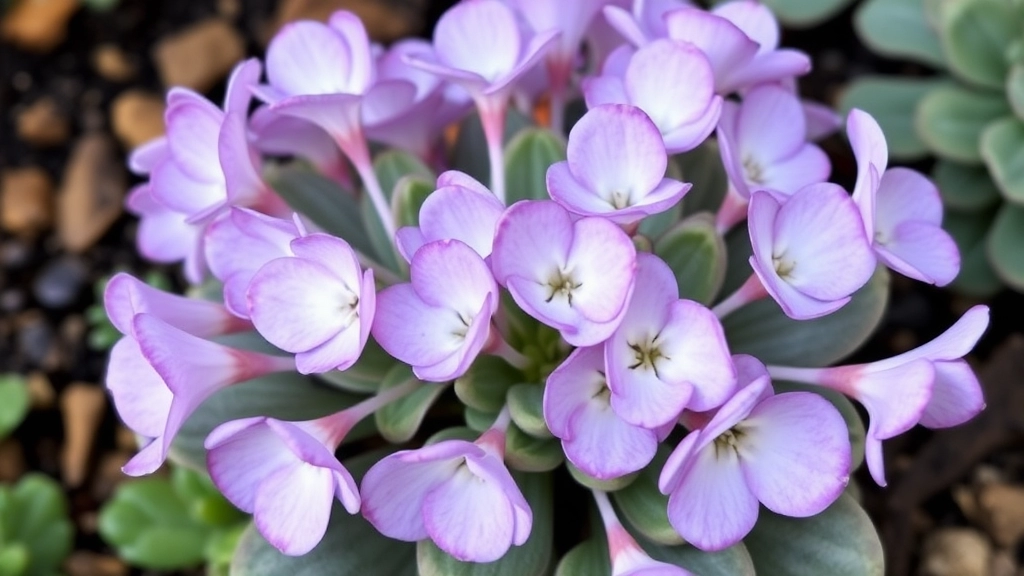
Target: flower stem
<point>497,346</point>
<point>732,212</point>
<point>341,423</point>
<point>751,291</point>
<point>492,118</point>
<point>359,154</point>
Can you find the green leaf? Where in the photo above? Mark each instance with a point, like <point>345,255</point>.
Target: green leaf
<point>975,34</point>
<point>840,541</point>
<point>533,558</point>
<point>899,29</point>
<point>14,560</point>
<point>1002,146</point>
<point>1015,89</point>
<point>892,101</point>
<point>967,188</point>
<point>384,251</point>
<point>323,201</point>
<point>478,420</point>
<point>393,165</point>
<point>409,194</point>
<point>469,154</point>
<point>527,158</point>
<point>588,481</point>
<point>588,558</point>
<point>14,402</point>
<point>733,561</point>
<point>287,396</point>
<point>854,423</point>
<point>203,500</point>
<point>805,13</point>
<point>526,406</point>
<point>696,254</point>
<point>950,120</point>
<point>365,375</point>
<point>1006,245</point>
<point>399,420</point>
<point>968,229</point>
<point>453,433</point>
<point>761,329</point>
<point>529,454</point>
<point>34,515</point>
<point>486,383</point>
<point>644,507</point>
<point>703,167</point>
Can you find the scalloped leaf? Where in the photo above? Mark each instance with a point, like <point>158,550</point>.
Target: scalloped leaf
<point>805,13</point>
<point>644,507</point>
<point>391,166</point>
<point>950,120</point>
<point>695,252</point>
<point>526,406</point>
<point>1006,245</point>
<point>841,541</point>
<point>963,187</point>
<point>533,558</point>
<point>761,329</point>
<point>399,420</point>
<point>975,35</point>
<point>588,481</point>
<point>527,158</point>
<point>1002,147</point>
<point>892,101</point>
<point>968,229</point>
<point>14,402</point>
<point>899,29</point>
<point>587,558</point>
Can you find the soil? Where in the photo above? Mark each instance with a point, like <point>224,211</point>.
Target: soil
<point>953,494</point>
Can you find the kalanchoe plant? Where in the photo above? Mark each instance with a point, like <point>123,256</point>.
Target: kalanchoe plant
<point>664,325</point>
<point>970,116</point>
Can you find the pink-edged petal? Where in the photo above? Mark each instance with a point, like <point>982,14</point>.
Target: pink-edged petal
<point>771,124</point>
<point>464,30</point>
<point>639,397</point>
<point>489,468</point>
<point>193,128</point>
<point>574,382</point>
<point>793,302</point>
<point>711,506</point>
<point>360,69</point>
<point>698,354</point>
<point>147,460</point>
<point>469,519</point>
<point>535,49</point>
<point>308,57</point>
<point>955,342</point>
<point>125,296</point>
<point>921,251</point>
<point>412,331</point>
<point>530,238</point>
<point>275,133</point>
<point>774,66</point>
<point>468,215</point>
<point>678,463</point>
<point>394,490</point>
<point>672,82</point>
<point>617,149</point>
<point>822,120</point>
<point>238,161</point>
<point>608,89</point>
<point>605,446</point>
<point>728,148</point>
<point>905,194</point>
<point>293,506</point>
<point>140,396</point>
<point>450,274</point>
<point>754,19</point>
<point>409,239</point>
<point>895,398</point>
<point>956,396</point>
<point>238,95</point>
<point>174,188</point>
<point>603,263</point>
<point>473,342</point>
<point>240,455</point>
<point>387,100</point>
<point>734,410</point>
<point>724,44</point>
<point>339,352</point>
<point>457,178</point>
<point>145,157</point>
<point>874,457</point>
<point>871,152</point>
<point>338,114</point>
<point>624,23</point>
<point>575,196</point>
<point>688,136</point>
<point>795,435</point>
<point>810,165</point>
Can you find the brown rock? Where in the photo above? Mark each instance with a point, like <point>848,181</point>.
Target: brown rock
<point>40,390</point>
<point>1003,564</point>
<point>1002,511</point>
<point>37,25</point>
<point>137,117</point>
<point>12,460</point>
<point>112,63</point>
<point>955,552</point>
<point>385,20</point>
<point>199,56</point>
<point>82,406</point>
<point>125,439</point>
<point>26,201</point>
<point>41,123</point>
<point>109,475</point>
<point>92,193</point>
<point>85,563</point>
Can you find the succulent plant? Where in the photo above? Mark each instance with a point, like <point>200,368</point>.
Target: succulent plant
<point>35,532</point>
<point>970,115</point>
<point>14,402</point>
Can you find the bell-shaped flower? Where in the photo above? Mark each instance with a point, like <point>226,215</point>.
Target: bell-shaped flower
<point>901,209</point>
<point>575,276</point>
<point>790,452</point>
<point>460,209</point>
<point>627,557</point>
<point>159,375</point>
<point>810,251</point>
<point>740,39</point>
<point>317,304</point>
<point>440,321</point>
<point>166,236</point>
<point>125,296</point>
<point>763,143</point>
<point>239,244</point>
<point>670,81</point>
<point>615,167</point>
<point>279,134</point>
<point>285,473</point>
<point>479,46</point>
<point>931,385</point>
<point>577,410</point>
<point>667,354</point>
<point>457,493</point>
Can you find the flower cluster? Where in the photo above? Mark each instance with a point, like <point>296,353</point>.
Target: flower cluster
<point>620,359</point>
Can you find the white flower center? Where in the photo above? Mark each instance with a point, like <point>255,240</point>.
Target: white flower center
<point>619,199</point>
<point>783,266</point>
<point>728,443</point>
<point>646,355</point>
<point>562,285</point>
<point>753,171</point>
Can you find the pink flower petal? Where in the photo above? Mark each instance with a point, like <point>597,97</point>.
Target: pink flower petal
<point>140,395</point>
<point>603,262</point>
<point>308,57</point>
<point>698,354</point>
<point>956,396</point>
<point>460,213</point>
<point>606,446</point>
<point>771,124</point>
<point>672,82</point>
<point>617,149</point>
<point>450,274</point>
<point>481,37</point>
<point>193,129</point>
<point>810,165</point>
<point>921,251</point>
<point>293,506</point>
<point>394,490</point>
<point>531,239</point>
<point>871,152</point>
<point>243,453</point>
<point>470,519</point>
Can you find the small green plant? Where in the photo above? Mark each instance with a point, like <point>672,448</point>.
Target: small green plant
<point>102,334</point>
<point>14,402</point>
<point>804,13</point>
<point>35,532</point>
<point>969,116</point>
<point>161,523</point>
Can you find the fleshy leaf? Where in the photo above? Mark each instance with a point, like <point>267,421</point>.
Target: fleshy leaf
<point>899,29</point>
<point>390,166</point>
<point>703,167</point>
<point>968,229</point>
<point>733,561</point>
<point>963,187</point>
<point>611,485</point>
<point>478,420</point>
<point>529,454</point>
<point>14,402</point>
<point>1006,245</point>
<point>531,559</point>
<point>485,384</point>
<point>525,404</point>
<point>841,541</point>
<point>527,158</point>
<point>1015,89</point>
<point>1002,147</point>
<point>644,507</point>
<point>585,559</point>
<point>696,254</point>
<point>975,35</point>
<point>408,197</point>
<point>399,420</point>
<point>35,531</point>
<point>323,201</point>
<point>892,101</point>
<point>950,120</point>
<point>805,13</point>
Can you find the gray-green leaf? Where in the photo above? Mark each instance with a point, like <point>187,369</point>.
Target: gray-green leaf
<point>950,120</point>
<point>892,101</point>
<point>899,29</point>
<point>1006,245</point>
<point>1002,147</point>
<point>696,254</point>
<point>527,158</point>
